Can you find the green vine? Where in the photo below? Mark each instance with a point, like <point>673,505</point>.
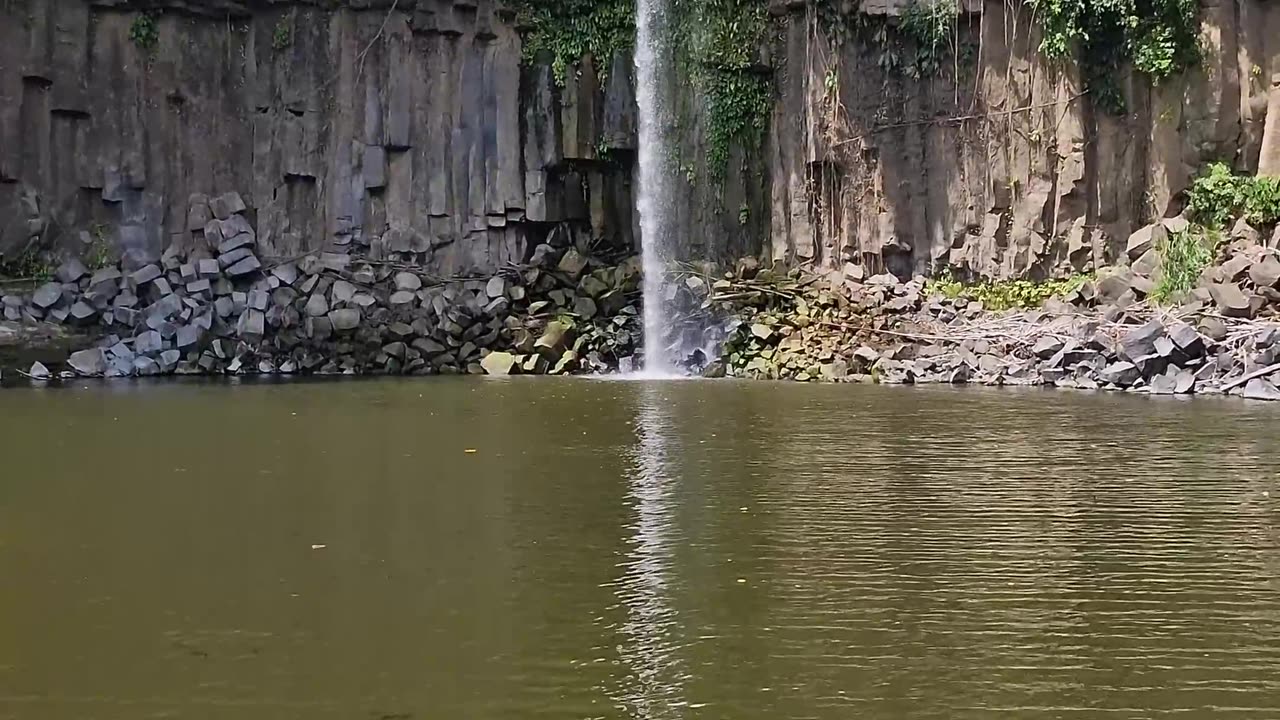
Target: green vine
<point>1218,195</point>
<point>931,25</point>
<point>282,37</point>
<point>717,41</point>
<point>1007,294</point>
<point>143,32</point>
<point>1158,37</point>
<point>568,30</point>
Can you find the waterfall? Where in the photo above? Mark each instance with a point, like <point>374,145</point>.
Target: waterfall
<point>654,200</point>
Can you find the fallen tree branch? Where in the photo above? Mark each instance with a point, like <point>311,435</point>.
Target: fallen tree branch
<point>1246,378</point>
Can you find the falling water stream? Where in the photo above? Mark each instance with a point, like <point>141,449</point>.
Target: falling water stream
<point>654,200</point>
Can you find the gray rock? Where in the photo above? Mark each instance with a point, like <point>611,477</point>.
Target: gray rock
<point>39,372</point>
<point>317,305</point>
<point>144,366</point>
<point>258,299</point>
<point>1144,239</point>
<point>1141,341</point>
<point>428,347</point>
<point>584,307</point>
<point>544,256</point>
<point>343,291</point>
<point>252,324</point>
<point>226,260</point>
<point>1265,272</point>
<point>1121,374</point>
<point>407,281</point>
<point>496,287</point>
<point>345,319</point>
<point>188,336</point>
<point>71,271</point>
<point>1231,300</point>
<point>1261,389</point>
<point>82,311</point>
<point>169,360</point>
<point>1164,384</point>
<point>1184,382</point>
<point>199,287</point>
<point>148,342</point>
<point>92,362</point>
<point>1213,328</point>
<point>235,242</point>
<point>47,295</point>
<point>402,297</point>
<point>319,328</point>
<point>1186,339</point>
<point>208,268</point>
<point>572,264</point>
<point>226,205</point>
<point>245,267</point>
<point>1147,263</point>
<point>145,275</point>
<point>287,273</point>
<point>1046,347</point>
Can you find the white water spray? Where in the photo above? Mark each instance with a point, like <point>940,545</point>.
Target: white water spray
<point>654,201</point>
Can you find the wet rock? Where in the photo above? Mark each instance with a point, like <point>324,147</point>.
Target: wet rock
<point>252,324</point>
<point>553,338</point>
<point>1231,300</point>
<point>39,372</point>
<point>92,363</point>
<point>498,363</point>
<point>144,366</point>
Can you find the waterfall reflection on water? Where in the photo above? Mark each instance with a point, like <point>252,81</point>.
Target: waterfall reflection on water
<point>655,687</point>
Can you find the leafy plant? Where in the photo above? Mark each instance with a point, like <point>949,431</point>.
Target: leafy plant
<point>282,37</point>
<point>143,32</point>
<point>1159,37</point>
<point>931,25</point>
<point>1006,294</point>
<point>570,29</point>
<point>1218,195</point>
<point>1183,257</point>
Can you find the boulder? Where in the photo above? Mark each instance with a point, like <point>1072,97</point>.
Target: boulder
<point>71,271</point>
<point>145,275</point>
<point>1121,374</point>
<point>1141,341</point>
<point>47,295</point>
<point>496,287</point>
<point>1046,347</point>
<point>1265,272</point>
<point>572,264</point>
<point>553,338</point>
<point>39,372</point>
<point>407,281</point>
<point>1144,240</point>
<point>498,363</point>
<point>1213,328</point>
<point>402,297</point>
<point>317,305</point>
<point>1231,300</point>
<point>345,319</point>
<point>91,363</point>
<point>1261,389</point>
<point>226,205</point>
<point>244,267</point>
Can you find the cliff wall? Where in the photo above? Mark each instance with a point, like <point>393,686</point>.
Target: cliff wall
<point>416,127</point>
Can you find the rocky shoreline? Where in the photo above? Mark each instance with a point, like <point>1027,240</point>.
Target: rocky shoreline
<point>222,310</point>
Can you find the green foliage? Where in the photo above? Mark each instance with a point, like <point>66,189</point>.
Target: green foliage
<point>98,254</point>
<point>283,35</point>
<point>143,32</point>
<point>1006,294</point>
<point>570,29</point>
<point>717,41</point>
<point>31,265</point>
<point>1218,195</point>
<point>1159,37</point>
<point>931,25</point>
<point>1183,257</point>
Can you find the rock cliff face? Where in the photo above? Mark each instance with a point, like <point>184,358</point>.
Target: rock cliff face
<point>412,127</point>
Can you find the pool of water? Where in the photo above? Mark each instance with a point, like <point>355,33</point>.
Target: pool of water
<point>442,549</point>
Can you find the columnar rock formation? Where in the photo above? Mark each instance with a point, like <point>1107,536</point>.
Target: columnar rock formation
<point>413,126</point>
